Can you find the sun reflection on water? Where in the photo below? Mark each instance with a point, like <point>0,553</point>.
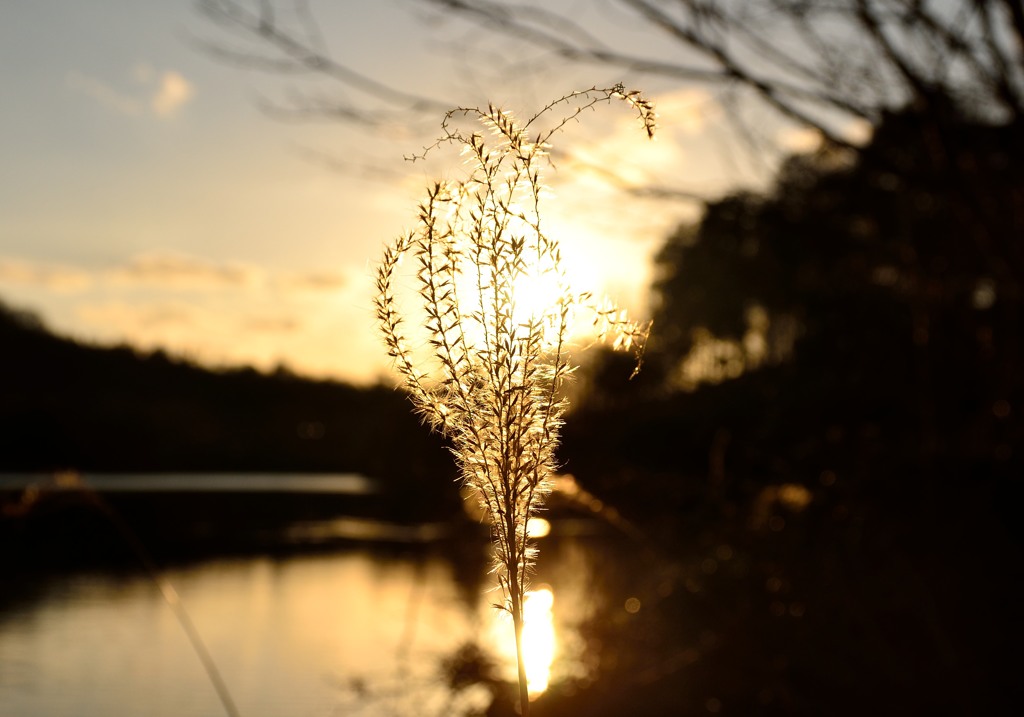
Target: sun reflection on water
<point>539,640</point>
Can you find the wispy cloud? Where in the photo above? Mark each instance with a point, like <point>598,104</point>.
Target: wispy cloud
<point>312,282</point>
<point>175,322</point>
<point>272,324</point>
<point>218,312</point>
<point>687,111</point>
<point>181,271</point>
<point>139,319</point>
<point>158,94</point>
<point>183,328</point>
<point>232,334</point>
<point>173,92</point>
<point>54,277</point>
<point>171,272</point>
<point>104,94</point>
<point>636,159</point>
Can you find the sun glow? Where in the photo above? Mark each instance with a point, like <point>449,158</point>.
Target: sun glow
<point>533,292</point>
<point>536,293</point>
<point>547,289</point>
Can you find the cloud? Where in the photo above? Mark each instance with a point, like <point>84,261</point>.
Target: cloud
<point>180,324</point>
<point>161,95</point>
<point>272,324</point>
<point>176,271</point>
<point>173,93</point>
<point>143,73</point>
<point>313,282</point>
<point>217,312</point>
<point>60,279</point>
<point>104,94</point>
<point>686,111</point>
<point>181,271</point>
<point>231,334</point>
<point>139,319</point>
<point>172,272</point>
<point>623,155</point>
<point>183,328</point>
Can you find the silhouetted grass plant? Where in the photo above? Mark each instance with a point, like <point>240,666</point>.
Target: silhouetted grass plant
<point>498,311</point>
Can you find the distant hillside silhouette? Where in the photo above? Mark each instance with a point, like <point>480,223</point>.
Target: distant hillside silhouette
<point>65,405</point>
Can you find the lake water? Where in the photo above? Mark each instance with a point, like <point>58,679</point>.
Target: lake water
<point>324,483</point>
<point>355,631</point>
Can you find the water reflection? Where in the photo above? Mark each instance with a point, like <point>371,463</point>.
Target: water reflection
<point>329,531</point>
<point>347,633</point>
<point>538,639</point>
<point>538,527</point>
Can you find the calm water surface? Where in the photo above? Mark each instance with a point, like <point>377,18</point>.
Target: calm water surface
<point>354,632</point>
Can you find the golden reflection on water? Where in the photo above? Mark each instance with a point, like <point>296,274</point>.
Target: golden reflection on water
<point>359,630</point>
<point>540,644</point>
<point>538,638</point>
<point>538,527</point>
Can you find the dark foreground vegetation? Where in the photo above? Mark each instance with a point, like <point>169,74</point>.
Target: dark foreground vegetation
<point>837,529</point>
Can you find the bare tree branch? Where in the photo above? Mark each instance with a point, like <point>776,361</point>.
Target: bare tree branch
<point>727,42</point>
<point>1016,10</point>
<point>820,64</point>
<point>732,69</point>
<point>307,54</point>
<point>1002,78</point>
<point>555,33</point>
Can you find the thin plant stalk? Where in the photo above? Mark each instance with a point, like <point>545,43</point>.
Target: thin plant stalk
<point>489,369</point>
<point>516,605</point>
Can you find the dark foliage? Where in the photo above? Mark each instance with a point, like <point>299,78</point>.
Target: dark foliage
<point>836,531</point>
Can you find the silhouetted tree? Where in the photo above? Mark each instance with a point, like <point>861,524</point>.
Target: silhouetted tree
<point>895,271</point>
<point>860,469</point>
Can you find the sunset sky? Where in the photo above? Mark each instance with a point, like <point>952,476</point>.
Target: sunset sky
<point>145,198</point>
